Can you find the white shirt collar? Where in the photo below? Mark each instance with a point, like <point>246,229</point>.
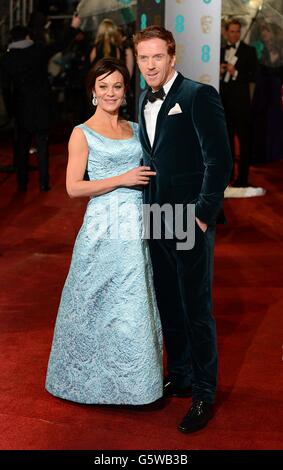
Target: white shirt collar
<point>151,110</point>
<point>168,84</point>
<point>22,44</point>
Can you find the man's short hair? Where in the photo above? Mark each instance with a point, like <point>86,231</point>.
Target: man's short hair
<point>231,22</point>
<point>18,33</point>
<point>156,31</point>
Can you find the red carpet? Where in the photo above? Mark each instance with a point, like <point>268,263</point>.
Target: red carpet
<point>37,235</point>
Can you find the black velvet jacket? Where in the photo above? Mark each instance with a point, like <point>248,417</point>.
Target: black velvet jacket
<point>191,152</point>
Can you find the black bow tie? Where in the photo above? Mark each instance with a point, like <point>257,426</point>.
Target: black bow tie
<point>231,45</point>
<point>158,95</point>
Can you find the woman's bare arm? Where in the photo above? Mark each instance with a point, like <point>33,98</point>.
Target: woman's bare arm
<point>92,55</point>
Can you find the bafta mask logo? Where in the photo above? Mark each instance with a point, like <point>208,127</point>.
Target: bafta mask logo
<point>180,53</point>
<point>205,78</point>
<point>206,24</point>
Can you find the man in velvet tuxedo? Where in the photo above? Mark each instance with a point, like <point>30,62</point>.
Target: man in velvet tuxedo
<point>238,71</point>
<point>184,140</point>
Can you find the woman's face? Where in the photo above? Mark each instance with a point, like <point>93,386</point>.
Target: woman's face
<point>265,34</point>
<point>110,91</point>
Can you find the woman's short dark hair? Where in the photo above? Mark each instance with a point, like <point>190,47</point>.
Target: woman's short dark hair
<point>106,66</point>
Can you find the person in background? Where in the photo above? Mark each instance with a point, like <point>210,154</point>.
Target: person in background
<point>26,93</point>
<point>109,42</point>
<point>27,96</point>
<point>267,109</point>
<point>238,72</point>
<point>77,65</point>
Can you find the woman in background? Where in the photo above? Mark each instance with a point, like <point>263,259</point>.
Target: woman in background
<point>109,43</point>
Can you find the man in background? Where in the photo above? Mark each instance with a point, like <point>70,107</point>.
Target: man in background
<point>26,94</point>
<point>238,72</point>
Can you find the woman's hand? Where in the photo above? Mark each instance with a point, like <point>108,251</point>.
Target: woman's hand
<point>137,176</point>
<point>223,68</point>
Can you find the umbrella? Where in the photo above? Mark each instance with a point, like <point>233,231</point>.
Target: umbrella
<point>240,7</point>
<point>97,7</point>
<point>92,12</point>
<point>267,33</point>
<point>262,22</point>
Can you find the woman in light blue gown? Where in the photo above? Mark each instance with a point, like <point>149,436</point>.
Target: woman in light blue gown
<point>107,345</point>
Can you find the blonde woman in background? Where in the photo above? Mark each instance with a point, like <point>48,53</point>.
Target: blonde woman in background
<point>109,43</point>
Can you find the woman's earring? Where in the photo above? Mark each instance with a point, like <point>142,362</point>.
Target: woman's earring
<point>124,102</point>
<point>94,100</point>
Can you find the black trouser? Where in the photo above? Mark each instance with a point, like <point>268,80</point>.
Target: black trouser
<point>183,283</point>
<point>24,139</point>
<point>238,121</point>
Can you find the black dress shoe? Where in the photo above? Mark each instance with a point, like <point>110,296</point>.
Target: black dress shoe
<point>197,417</point>
<point>170,390</point>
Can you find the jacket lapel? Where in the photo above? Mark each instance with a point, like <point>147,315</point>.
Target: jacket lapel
<point>143,124</point>
<point>165,109</point>
<point>239,50</point>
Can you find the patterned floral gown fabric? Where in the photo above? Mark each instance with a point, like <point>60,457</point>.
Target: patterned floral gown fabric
<point>107,345</point>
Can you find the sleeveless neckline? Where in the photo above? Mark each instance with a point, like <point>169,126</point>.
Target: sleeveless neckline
<point>109,138</point>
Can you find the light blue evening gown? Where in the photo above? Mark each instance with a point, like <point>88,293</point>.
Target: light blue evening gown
<point>107,345</point>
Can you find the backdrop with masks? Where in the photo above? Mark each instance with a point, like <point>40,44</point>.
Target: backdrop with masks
<point>196,28</point>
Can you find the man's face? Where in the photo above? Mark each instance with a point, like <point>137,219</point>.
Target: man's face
<point>154,62</point>
<point>233,33</point>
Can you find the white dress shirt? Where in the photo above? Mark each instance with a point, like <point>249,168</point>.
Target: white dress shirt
<point>227,55</point>
<point>151,110</point>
